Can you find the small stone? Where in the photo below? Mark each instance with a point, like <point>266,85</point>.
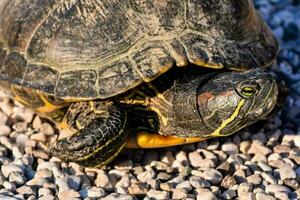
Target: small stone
<point>161,166</point>
<point>47,129</point>
<point>282,149</point>
<point>282,196</point>
<point>255,179</point>
<point>74,182</point>
<point>292,183</point>
<point>37,123</point>
<point>166,186</point>
<point>48,165</point>
<point>105,181</point>
<point>274,188</point>
<point>244,188</point>
<point>47,197</point>
<point>9,186</point>
<point>25,190</point>
<point>205,194</point>
<point>95,192</point>
<point>158,194</point>
<point>7,169</point>
<point>257,147</point>
<point>137,189</point>
<point>37,182</point>
<point>17,178</point>
<point>40,137</point>
<point>41,154</point>
<point>179,193</point>
<point>185,185</point>
<point>20,127</point>
<point>269,178</point>
<point>44,192</point>
<point>198,182</point>
<point>197,161</point>
<point>68,194</point>
<point>212,175</point>
<point>287,172</point>
<point>230,148</point>
<point>229,194</point>
<point>163,176</point>
<point>259,158</point>
<point>263,196</point>
<point>264,166</point>
<point>245,146</point>
<point>146,175</point>
<point>4,130</point>
<point>17,153</point>
<point>213,145</point>
<point>44,173</point>
<point>228,182</point>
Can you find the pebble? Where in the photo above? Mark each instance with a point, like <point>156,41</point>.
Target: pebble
<point>230,148</point>
<point>287,172</point>
<point>158,194</point>
<point>274,188</point>
<point>255,179</point>
<point>244,189</point>
<point>68,194</point>
<point>17,178</point>
<point>185,185</point>
<point>263,196</point>
<point>257,147</point>
<point>229,194</point>
<point>205,194</point>
<point>95,192</point>
<point>198,182</point>
<point>146,175</point>
<point>212,175</point>
<point>228,182</point>
<point>179,193</point>
<point>8,169</point>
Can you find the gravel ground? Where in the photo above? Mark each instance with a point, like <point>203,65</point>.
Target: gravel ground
<point>261,162</point>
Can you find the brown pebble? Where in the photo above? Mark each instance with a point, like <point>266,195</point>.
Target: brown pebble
<point>228,182</point>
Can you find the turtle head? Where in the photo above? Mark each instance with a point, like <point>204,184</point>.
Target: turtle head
<point>230,101</point>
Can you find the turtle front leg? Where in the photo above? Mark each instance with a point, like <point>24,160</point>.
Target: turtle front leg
<point>101,133</point>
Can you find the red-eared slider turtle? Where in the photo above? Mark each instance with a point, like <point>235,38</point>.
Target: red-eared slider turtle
<point>82,64</point>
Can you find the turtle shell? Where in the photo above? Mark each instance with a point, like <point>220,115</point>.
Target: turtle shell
<point>90,49</point>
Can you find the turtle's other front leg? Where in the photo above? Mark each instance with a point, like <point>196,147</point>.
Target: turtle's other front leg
<point>100,136</point>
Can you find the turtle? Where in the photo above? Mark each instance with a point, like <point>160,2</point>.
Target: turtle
<point>137,73</point>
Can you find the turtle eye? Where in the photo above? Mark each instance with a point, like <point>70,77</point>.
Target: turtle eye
<point>248,89</point>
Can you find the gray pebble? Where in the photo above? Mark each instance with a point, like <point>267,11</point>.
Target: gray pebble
<point>230,148</point>
<point>185,185</point>
<point>229,194</point>
<point>268,177</point>
<point>198,182</point>
<point>212,175</point>
<point>264,166</point>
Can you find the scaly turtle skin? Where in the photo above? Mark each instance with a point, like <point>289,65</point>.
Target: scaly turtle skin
<point>71,60</point>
